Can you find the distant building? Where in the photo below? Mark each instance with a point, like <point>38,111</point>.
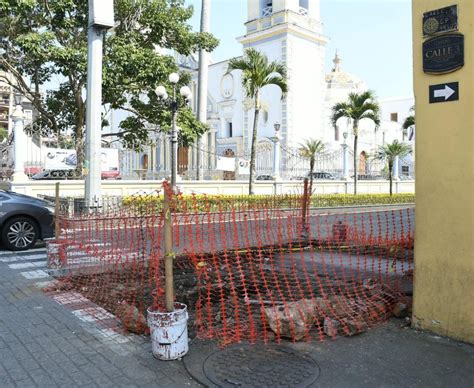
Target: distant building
<point>289,31</point>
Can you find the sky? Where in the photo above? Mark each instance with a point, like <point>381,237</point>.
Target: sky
<point>373,38</point>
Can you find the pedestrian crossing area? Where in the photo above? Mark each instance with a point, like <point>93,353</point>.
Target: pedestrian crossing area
<point>30,264</point>
<point>33,264</point>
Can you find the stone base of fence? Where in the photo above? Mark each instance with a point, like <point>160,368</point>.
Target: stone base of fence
<point>75,188</point>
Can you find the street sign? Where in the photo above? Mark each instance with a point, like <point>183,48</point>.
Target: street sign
<point>444,92</point>
<point>440,20</point>
<point>443,54</point>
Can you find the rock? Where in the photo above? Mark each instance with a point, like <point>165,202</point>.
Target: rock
<point>400,310</point>
<point>132,319</point>
<point>353,326</point>
<point>294,320</point>
<point>331,327</point>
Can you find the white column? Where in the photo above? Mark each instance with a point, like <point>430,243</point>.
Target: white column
<point>396,175</point>
<point>345,162</point>
<point>19,142</point>
<point>93,121</point>
<point>276,157</point>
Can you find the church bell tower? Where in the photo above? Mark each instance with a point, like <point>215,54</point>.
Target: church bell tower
<point>290,31</point>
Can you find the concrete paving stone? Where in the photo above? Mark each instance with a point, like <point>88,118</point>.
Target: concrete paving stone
<point>18,374</point>
<point>43,380</point>
<point>29,364</point>
<point>6,382</point>
<point>81,378</point>
<point>20,353</point>
<point>79,360</point>
<point>113,372</point>
<point>28,383</point>
<point>124,381</point>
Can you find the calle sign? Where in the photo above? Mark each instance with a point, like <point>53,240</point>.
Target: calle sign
<point>443,54</point>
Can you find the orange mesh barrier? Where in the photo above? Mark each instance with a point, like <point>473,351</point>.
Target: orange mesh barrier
<point>254,270</point>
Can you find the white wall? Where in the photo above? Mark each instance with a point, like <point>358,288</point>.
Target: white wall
<point>121,188</point>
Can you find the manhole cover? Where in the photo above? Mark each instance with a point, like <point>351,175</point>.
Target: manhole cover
<point>260,366</point>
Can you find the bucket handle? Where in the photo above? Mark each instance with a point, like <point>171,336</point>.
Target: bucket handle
<point>176,340</point>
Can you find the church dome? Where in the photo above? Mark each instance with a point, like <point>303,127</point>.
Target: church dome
<point>338,78</point>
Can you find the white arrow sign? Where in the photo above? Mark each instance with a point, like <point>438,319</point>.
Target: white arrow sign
<point>446,92</point>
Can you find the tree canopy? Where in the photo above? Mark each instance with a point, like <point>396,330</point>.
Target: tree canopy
<point>43,44</point>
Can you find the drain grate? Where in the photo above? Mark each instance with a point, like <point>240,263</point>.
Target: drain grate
<point>260,366</point>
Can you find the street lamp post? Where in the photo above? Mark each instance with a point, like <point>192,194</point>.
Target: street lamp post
<point>345,158</point>
<point>276,152</point>
<point>174,104</point>
<point>101,18</point>
<point>19,141</point>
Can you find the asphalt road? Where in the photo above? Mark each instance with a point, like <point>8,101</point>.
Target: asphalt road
<point>122,239</point>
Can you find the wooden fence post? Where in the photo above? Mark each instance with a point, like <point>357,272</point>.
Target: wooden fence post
<point>169,254</point>
<point>305,207</point>
<point>57,226</point>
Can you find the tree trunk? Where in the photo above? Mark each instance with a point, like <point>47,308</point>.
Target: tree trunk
<point>79,137</point>
<point>390,177</point>
<point>202,83</point>
<point>253,149</point>
<point>311,169</point>
<point>356,136</point>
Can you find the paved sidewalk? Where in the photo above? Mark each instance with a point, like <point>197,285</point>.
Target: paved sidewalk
<point>47,342</point>
<point>44,344</point>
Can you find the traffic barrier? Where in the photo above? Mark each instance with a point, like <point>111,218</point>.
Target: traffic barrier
<point>247,270</point>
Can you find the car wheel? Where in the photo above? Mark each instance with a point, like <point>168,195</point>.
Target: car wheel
<point>19,234</point>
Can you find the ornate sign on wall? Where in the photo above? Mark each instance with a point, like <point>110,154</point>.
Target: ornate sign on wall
<point>443,54</point>
<point>440,20</point>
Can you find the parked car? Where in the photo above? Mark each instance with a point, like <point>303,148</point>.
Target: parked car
<point>70,174</point>
<point>54,175</point>
<point>264,178</point>
<point>24,220</point>
<point>322,175</point>
<point>111,174</point>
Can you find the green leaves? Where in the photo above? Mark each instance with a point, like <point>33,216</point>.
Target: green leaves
<point>257,72</point>
<point>44,43</point>
<point>358,107</point>
<point>390,151</point>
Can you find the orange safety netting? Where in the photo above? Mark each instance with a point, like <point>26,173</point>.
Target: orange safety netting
<point>248,269</point>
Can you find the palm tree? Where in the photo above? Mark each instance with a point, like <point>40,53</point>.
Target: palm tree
<point>358,107</point>
<point>389,153</point>
<point>409,122</point>
<point>257,73</point>
<point>309,150</point>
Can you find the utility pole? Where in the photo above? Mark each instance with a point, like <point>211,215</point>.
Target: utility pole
<point>101,18</point>
<point>203,76</point>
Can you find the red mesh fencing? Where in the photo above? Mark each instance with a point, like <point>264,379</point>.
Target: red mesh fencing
<point>253,269</point>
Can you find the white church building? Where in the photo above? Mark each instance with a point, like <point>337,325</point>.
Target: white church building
<point>289,31</point>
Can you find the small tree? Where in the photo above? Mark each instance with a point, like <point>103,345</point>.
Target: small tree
<point>358,107</point>
<point>389,153</point>
<point>310,149</point>
<point>409,122</point>
<point>257,73</point>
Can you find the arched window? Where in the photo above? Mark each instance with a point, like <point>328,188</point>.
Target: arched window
<point>144,163</point>
<point>266,7</point>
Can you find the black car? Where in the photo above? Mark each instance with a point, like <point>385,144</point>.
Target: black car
<point>264,178</point>
<point>24,220</point>
<point>54,175</point>
<point>323,175</point>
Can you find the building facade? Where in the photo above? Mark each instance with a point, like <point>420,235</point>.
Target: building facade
<point>289,31</point>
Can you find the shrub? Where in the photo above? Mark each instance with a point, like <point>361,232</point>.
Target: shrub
<point>210,203</point>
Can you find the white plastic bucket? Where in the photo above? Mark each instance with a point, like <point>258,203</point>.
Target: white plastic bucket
<point>56,254</point>
<point>169,332</point>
